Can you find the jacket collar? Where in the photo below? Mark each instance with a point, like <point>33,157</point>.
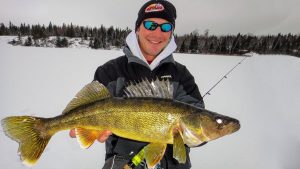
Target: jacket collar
<point>134,54</point>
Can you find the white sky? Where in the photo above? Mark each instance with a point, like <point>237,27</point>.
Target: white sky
<point>219,16</point>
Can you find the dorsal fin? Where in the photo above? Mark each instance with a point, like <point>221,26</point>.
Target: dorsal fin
<point>90,93</point>
<point>156,88</point>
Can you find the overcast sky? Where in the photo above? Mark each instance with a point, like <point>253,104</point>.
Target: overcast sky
<point>219,16</point>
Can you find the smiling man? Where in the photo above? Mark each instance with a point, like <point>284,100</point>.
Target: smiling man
<point>153,40</point>
<point>148,55</point>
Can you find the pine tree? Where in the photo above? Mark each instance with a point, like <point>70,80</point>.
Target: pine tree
<point>50,29</point>
<point>222,45</point>
<point>70,31</point>
<point>97,43</point>
<point>3,29</point>
<point>85,36</point>
<point>13,30</point>
<point>63,30</point>
<point>235,45</point>
<point>58,42</point>
<point>103,35</point>
<point>277,44</point>
<point>22,29</point>
<point>183,48</point>
<point>194,44</point>
<point>28,41</point>
<point>62,42</point>
<point>91,43</point>
<point>110,35</point>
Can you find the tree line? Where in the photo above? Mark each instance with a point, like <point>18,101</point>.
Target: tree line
<point>102,37</point>
<point>287,44</point>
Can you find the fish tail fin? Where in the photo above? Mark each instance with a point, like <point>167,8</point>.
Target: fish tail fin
<point>30,133</point>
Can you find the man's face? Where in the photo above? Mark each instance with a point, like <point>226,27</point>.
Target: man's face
<point>152,42</point>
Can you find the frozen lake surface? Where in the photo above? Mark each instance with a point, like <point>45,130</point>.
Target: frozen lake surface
<point>263,93</point>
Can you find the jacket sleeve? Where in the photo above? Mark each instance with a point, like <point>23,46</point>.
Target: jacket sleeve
<point>186,90</point>
<point>104,73</point>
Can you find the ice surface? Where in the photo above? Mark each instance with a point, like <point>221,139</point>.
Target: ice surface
<point>263,93</point>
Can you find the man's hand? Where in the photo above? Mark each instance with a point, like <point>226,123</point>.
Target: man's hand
<point>103,136</point>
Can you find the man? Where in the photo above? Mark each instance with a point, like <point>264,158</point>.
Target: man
<point>148,54</point>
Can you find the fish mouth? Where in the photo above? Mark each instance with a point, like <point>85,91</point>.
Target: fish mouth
<point>238,126</point>
<point>232,123</point>
<point>237,123</point>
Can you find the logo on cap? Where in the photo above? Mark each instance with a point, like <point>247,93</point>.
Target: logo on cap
<point>154,8</point>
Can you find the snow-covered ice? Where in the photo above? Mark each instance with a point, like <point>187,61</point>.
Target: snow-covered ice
<point>263,93</point>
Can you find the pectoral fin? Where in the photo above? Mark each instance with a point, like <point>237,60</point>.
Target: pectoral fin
<point>154,152</point>
<point>86,137</point>
<point>179,152</point>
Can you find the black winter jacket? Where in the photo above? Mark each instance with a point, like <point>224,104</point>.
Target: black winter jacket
<point>116,73</point>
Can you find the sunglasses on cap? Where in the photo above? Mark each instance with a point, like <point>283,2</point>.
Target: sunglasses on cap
<point>151,25</point>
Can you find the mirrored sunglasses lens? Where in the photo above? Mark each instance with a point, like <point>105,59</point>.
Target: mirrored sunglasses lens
<point>166,27</point>
<point>150,25</point>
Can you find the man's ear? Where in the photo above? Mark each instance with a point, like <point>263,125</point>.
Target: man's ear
<point>172,34</point>
<point>137,31</point>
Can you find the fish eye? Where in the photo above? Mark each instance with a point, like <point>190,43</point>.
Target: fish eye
<point>219,121</point>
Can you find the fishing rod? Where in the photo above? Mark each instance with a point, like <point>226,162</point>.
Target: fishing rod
<point>226,75</point>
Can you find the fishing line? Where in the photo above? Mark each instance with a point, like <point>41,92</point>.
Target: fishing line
<point>226,75</point>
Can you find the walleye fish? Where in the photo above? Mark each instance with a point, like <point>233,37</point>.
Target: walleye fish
<point>147,114</point>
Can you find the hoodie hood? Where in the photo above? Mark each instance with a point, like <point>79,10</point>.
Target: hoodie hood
<point>135,50</point>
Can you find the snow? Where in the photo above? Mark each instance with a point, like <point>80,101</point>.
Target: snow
<point>51,42</point>
<point>263,93</point>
